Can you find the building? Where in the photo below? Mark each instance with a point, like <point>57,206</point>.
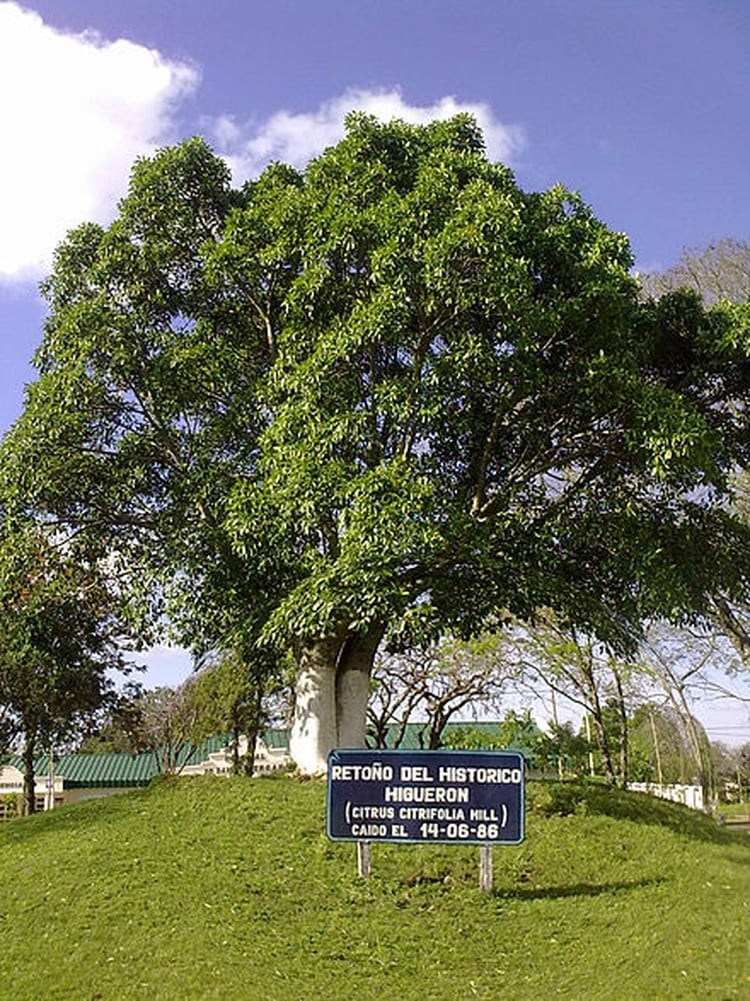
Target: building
<point>78,776</point>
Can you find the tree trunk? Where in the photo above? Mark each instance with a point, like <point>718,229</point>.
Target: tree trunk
<point>353,686</point>
<point>314,729</point>
<point>602,741</point>
<point>590,689</point>
<point>333,685</point>
<point>253,731</point>
<point>29,798</point>
<point>236,732</point>
<point>702,755</point>
<point>378,729</point>
<point>622,712</point>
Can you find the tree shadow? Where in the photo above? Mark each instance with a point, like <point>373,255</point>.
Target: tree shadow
<point>574,890</point>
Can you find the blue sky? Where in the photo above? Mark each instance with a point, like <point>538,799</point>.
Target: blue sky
<point>642,106</point>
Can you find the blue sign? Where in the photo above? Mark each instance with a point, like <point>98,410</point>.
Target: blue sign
<point>457,797</point>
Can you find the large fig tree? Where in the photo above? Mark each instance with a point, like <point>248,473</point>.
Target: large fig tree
<point>391,393</point>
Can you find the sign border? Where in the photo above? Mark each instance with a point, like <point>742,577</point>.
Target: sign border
<point>393,754</point>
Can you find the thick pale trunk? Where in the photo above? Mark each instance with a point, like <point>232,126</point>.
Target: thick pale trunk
<point>353,686</point>
<point>314,729</point>
<point>333,685</point>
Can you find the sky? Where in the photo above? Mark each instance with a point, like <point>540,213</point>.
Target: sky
<point>640,105</point>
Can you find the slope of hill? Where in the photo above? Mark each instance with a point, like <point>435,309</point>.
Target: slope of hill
<point>228,888</point>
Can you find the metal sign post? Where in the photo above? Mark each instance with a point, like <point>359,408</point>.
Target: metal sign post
<point>363,859</point>
<point>485,868</point>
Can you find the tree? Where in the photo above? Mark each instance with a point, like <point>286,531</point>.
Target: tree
<point>732,767</point>
<point>585,672</point>
<point>120,728</point>
<point>720,271</point>
<point>572,750</point>
<point>432,685</point>
<point>679,670</point>
<point>237,696</point>
<point>474,412</point>
<point>392,392</point>
<point>58,641</point>
<point>226,696</point>
<point>145,410</point>
<point>164,722</point>
<point>659,748</point>
<point>515,731</point>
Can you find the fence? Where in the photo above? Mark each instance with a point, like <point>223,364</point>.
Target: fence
<point>691,796</point>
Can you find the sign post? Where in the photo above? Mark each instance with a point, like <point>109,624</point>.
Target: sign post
<point>363,859</point>
<point>416,797</point>
<point>485,868</point>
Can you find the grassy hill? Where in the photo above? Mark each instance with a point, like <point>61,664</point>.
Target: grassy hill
<point>228,888</point>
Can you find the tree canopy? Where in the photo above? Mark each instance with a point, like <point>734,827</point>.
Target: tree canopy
<point>718,272</point>
<point>393,393</point>
<point>57,643</point>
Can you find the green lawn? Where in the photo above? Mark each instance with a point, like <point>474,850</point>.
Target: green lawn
<point>735,811</point>
<point>228,888</point>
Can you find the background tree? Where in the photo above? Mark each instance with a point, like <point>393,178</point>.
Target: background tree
<point>164,722</point>
<point>659,749</point>
<point>144,412</point>
<point>578,667</point>
<point>719,271</point>
<point>240,697</point>
<point>679,670</point>
<point>732,767</point>
<point>119,729</point>
<point>226,698</point>
<point>516,731</point>
<point>58,643</point>
<point>571,749</point>
<point>431,686</point>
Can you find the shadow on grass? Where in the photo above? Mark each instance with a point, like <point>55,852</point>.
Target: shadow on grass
<point>576,890</point>
<point>550,798</point>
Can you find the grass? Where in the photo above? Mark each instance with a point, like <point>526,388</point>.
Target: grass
<point>228,888</point>
<point>735,811</point>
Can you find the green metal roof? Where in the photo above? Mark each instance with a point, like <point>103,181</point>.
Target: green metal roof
<point>41,762</point>
<point>110,770</point>
<point>10,758</point>
<point>276,740</point>
<point>80,770</point>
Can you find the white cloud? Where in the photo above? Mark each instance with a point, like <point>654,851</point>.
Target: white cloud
<point>76,111</point>
<point>295,138</point>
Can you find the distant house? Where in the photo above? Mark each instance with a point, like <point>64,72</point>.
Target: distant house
<point>80,775</point>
